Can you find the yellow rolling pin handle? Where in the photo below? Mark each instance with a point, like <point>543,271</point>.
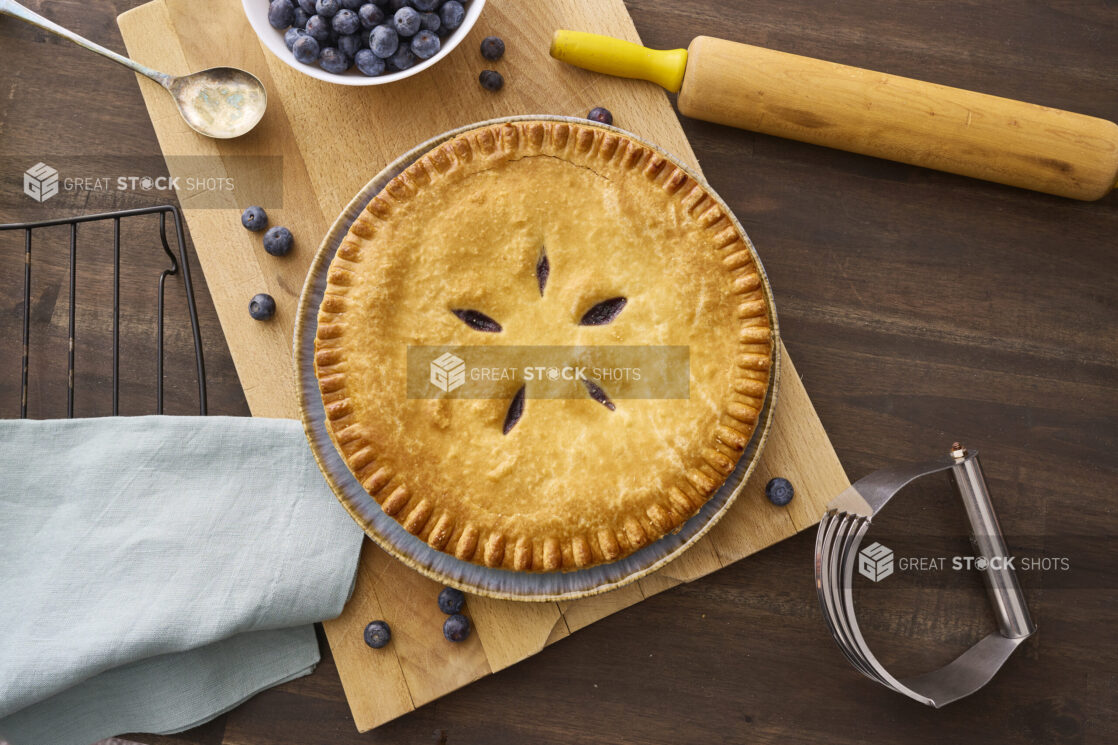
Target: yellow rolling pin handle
<point>623,59</point>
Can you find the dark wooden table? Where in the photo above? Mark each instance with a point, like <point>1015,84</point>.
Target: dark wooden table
<point>919,307</point>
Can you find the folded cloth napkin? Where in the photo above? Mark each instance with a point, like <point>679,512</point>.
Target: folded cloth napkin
<point>157,571</point>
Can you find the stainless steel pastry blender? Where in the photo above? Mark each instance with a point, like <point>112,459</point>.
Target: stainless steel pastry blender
<point>836,555</point>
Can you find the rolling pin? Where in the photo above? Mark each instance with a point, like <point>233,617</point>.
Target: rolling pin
<point>872,113</point>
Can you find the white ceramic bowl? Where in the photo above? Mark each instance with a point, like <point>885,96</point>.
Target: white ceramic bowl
<point>257,12</point>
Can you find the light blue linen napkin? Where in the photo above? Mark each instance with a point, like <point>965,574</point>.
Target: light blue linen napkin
<point>157,571</point>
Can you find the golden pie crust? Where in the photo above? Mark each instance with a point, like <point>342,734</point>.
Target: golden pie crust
<point>574,483</point>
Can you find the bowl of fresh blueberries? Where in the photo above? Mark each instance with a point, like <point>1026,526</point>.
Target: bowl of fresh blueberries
<point>361,42</point>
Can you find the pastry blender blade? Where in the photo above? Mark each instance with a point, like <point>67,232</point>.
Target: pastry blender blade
<point>837,545</point>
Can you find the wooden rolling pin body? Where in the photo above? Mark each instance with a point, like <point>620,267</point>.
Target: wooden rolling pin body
<point>873,113</point>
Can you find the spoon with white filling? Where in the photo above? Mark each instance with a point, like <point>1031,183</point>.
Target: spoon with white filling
<point>221,102</point>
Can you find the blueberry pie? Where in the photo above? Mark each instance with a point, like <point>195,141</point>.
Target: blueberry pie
<point>542,234</point>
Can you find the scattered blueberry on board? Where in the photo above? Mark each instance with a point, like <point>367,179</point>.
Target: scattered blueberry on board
<point>278,241</point>
<point>254,219</point>
<point>456,628</point>
<point>599,114</point>
<point>262,307</point>
<point>492,47</point>
<point>377,634</point>
<point>779,491</point>
<point>451,600</point>
<point>491,80</point>
<point>399,33</point>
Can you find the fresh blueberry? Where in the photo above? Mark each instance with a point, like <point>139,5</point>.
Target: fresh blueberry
<point>290,35</point>
<point>368,63</point>
<point>395,5</point>
<point>306,49</point>
<point>327,8</point>
<point>262,307</point>
<point>370,15</point>
<point>779,491</point>
<point>456,628</point>
<point>425,44</point>
<point>492,48</point>
<point>281,13</point>
<point>308,6</point>
<point>451,601</point>
<point>350,44</point>
<point>430,21</point>
<point>383,40</point>
<point>425,6</point>
<point>403,59</point>
<point>377,634</point>
<point>332,59</point>
<point>319,28</point>
<point>406,21</point>
<point>452,14</point>
<point>599,114</point>
<point>301,17</point>
<point>254,219</point>
<point>491,80</point>
<point>351,4</point>
<point>278,241</point>
<point>346,22</point>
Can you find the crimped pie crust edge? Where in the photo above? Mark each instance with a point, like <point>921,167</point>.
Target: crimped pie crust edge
<point>709,462</point>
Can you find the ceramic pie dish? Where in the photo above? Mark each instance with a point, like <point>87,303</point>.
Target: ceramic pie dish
<point>526,496</point>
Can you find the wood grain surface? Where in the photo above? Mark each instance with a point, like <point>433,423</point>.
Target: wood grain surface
<point>920,307</point>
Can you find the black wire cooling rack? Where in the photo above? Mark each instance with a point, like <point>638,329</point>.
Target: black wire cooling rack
<point>180,266</point>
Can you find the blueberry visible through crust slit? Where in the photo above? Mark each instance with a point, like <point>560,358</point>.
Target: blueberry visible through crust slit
<point>477,320</point>
<point>543,270</point>
<point>516,410</point>
<point>598,394</point>
<point>604,312</point>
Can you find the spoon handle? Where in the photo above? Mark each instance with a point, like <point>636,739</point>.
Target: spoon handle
<point>15,10</point>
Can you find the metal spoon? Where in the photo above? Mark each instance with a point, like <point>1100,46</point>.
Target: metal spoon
<point>221,102</point>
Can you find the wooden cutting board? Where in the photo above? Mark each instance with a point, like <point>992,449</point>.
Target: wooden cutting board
<point>332,140</point>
